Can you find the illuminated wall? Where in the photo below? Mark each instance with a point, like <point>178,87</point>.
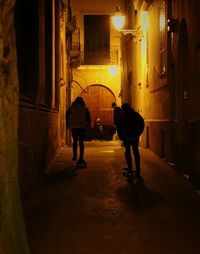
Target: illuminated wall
<point>167,94</point>
<point>85,75</point>
<point>150,94</point>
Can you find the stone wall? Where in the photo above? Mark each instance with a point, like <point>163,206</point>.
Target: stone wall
<point>12,229</point>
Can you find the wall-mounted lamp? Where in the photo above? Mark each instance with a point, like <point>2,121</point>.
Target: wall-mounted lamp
<point>118,20</point>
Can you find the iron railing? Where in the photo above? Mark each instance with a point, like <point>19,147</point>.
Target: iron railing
<point>91,56</point>
<point>101,57</point>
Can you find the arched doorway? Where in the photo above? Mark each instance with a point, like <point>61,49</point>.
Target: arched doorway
<point>182,99</point>
<point>98,99</point>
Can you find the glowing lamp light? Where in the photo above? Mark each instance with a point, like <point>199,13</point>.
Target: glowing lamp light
<point>113,70</point>
<point>118,19</point>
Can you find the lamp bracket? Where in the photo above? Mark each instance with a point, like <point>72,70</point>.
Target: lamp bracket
<point>138,34</point>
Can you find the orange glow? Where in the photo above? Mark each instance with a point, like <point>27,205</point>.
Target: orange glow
<point>113,70</point>
<point>118,19</point>
<point>144,45</point>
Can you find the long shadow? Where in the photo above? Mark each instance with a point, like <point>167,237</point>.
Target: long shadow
<point>64,175</point>
<point>138,198</point>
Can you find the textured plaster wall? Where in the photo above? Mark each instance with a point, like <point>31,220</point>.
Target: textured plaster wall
<point>42,130</point>
<point>162,98</point>
<point>39,138</point>
<point>151,97</point>
<point>12,230</point>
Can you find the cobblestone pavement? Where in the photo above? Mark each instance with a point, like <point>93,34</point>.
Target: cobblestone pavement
<point>96,211</point>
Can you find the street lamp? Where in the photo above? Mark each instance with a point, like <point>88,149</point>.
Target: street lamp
<point>127,37</point>
<point>118,20</point>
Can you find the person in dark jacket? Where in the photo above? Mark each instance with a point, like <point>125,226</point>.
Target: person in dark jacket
<point>78,120</point>
<point>117,113</point>
<point>131,126</point>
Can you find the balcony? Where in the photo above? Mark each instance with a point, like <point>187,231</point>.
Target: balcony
<point>101,57</point>
<point>91,55</point>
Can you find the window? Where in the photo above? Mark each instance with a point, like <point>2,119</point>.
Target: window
<point>48,51</point>
<point>26,25</point>
<point>162,17</point>
<point>59,74</point>
<point>96,39</point>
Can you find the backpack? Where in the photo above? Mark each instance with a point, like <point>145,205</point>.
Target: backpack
<point>131,126</point>
<point>139,123</point>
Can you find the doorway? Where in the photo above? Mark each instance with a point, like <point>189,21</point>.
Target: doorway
<point>99,99</point>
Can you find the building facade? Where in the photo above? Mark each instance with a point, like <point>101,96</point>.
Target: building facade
<point>54,50</point>
<point>34,71</point>
<point>96,62</point>
<point>42,72</point>
<point>165,77</point>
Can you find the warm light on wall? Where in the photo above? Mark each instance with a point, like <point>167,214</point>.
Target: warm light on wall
<point>144,20</point>
<point>144,39</point>
<point>113,70</point>
<point>162,22</point>
<point>144,47</point>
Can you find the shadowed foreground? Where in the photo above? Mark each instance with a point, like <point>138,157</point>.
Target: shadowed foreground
<point>95,210</point>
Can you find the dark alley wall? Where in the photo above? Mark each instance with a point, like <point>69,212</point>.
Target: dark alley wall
<point>41,67</point>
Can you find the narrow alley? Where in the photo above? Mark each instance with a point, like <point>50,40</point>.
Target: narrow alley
<point>142,52</point>
<point>96,211</point>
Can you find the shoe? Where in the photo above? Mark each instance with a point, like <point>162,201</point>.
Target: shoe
<point>128,172</point>
<point>81,164</point>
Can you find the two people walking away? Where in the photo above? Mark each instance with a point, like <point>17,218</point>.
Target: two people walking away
<point>128,123</point>
<point>129,128</point>
<point>78,120</point>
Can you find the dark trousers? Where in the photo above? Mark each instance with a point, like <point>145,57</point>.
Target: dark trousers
<point>128,144</point>
<point>78,135</point>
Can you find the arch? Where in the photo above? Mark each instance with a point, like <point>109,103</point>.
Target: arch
<point>99,100</point>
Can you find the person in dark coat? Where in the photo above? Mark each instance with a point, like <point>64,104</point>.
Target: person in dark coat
<point>117,113</point>
<point>78,120</point>
<point>131,126</point>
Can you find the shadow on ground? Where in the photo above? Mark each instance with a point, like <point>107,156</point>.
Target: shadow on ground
<point>64,175</point>
<point>138,198</point>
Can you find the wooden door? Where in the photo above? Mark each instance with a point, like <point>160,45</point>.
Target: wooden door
<point>99,100</point>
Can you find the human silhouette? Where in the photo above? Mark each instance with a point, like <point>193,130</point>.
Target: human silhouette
<point>131,126</point>
<point>78,120</point>
<point>98,129</point>
<point>117,113</point>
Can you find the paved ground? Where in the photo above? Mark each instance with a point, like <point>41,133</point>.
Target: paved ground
<point>95,210</point>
